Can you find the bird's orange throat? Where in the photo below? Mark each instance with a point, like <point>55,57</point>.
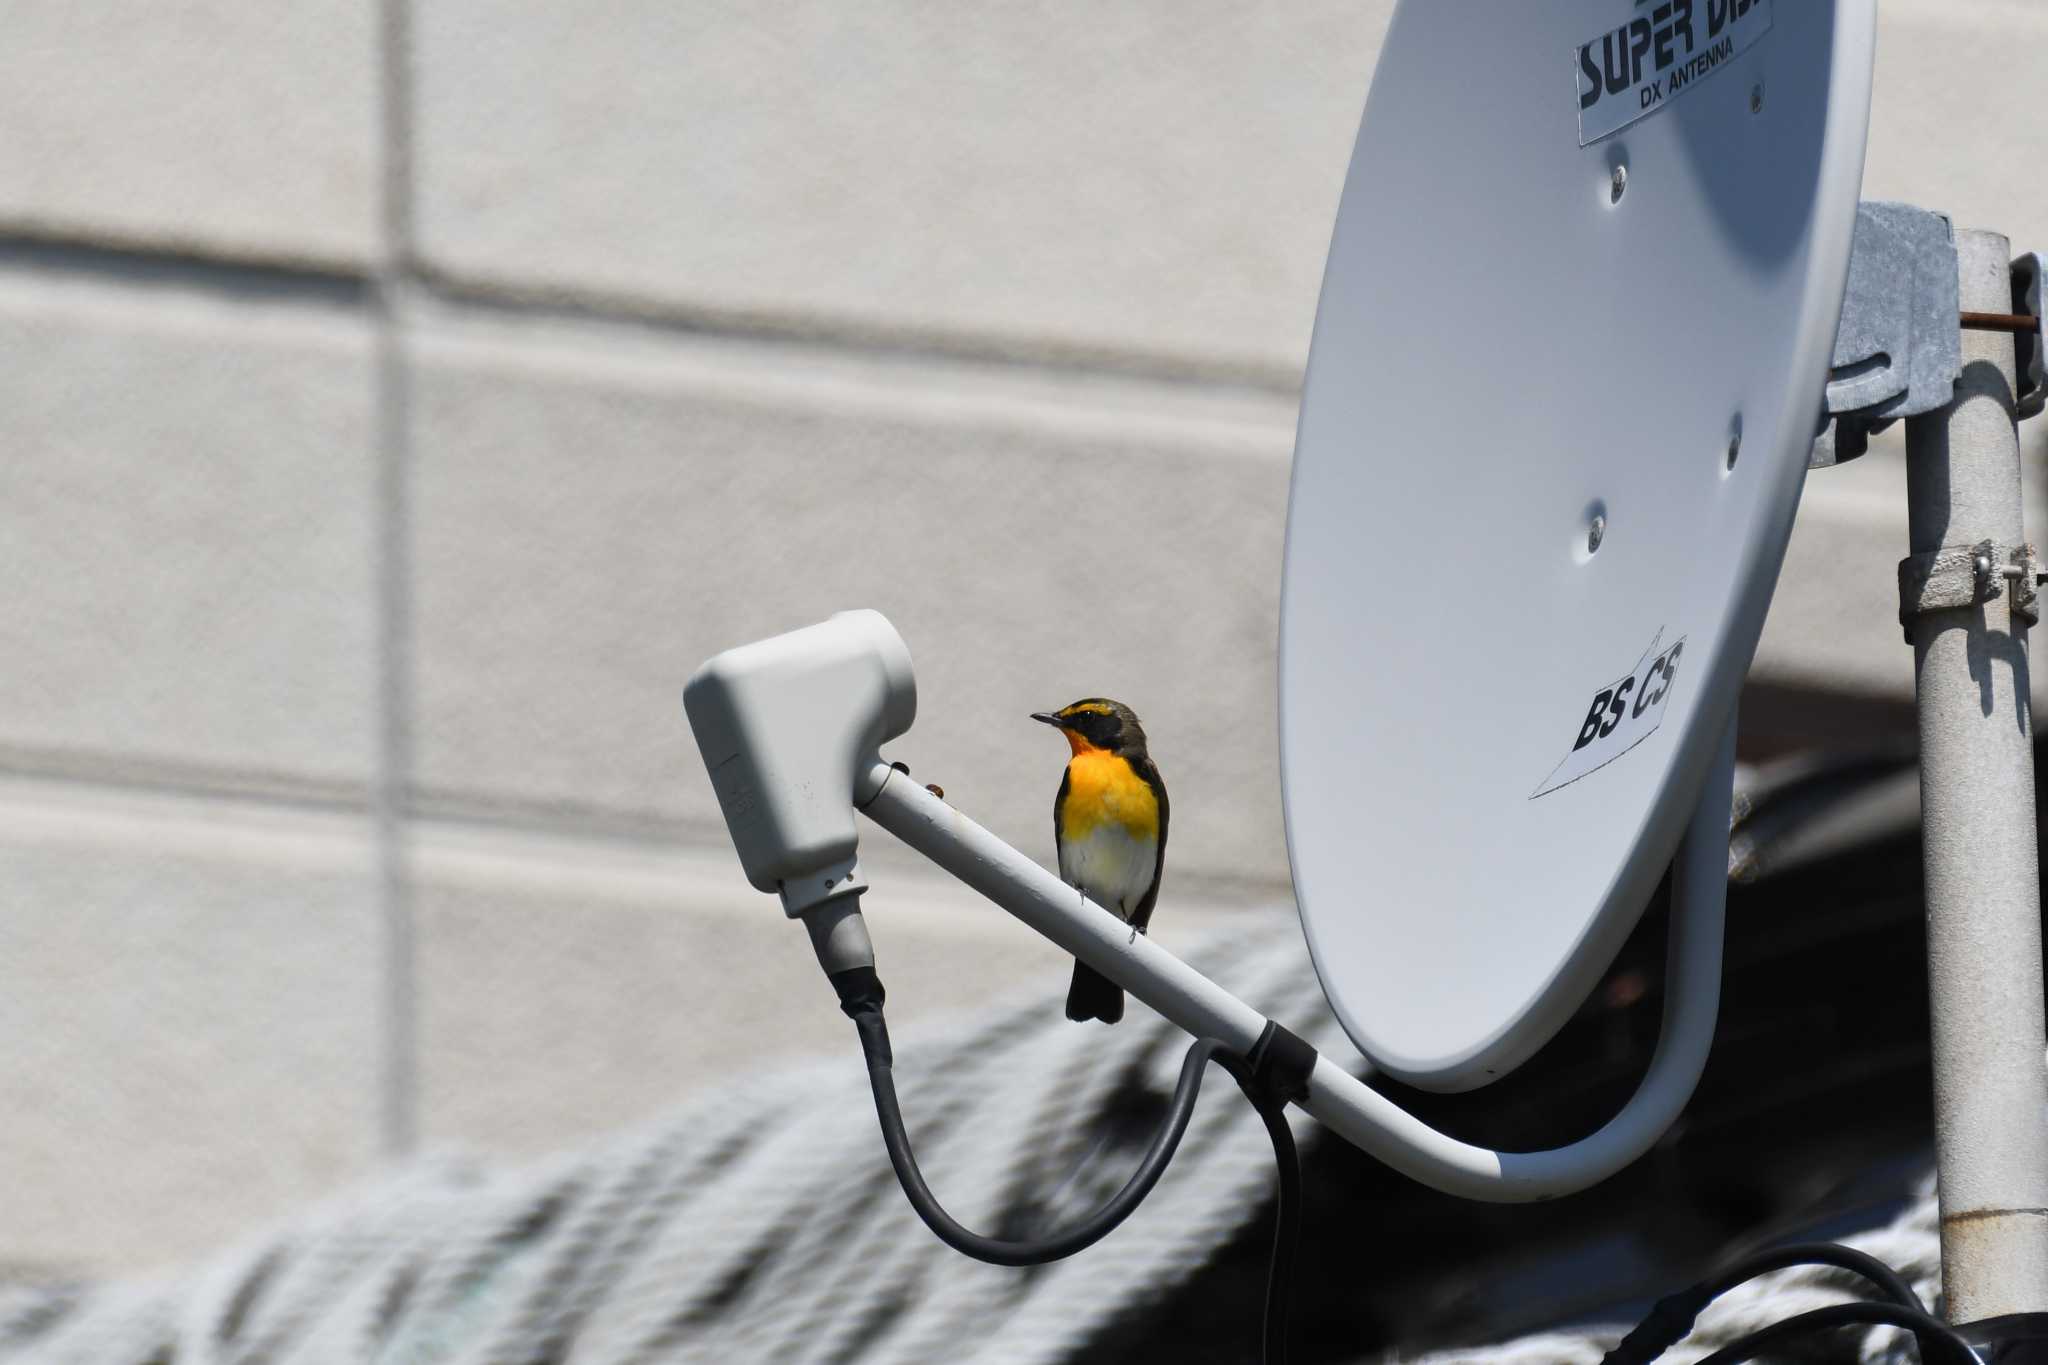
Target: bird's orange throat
<point>1103,789</point>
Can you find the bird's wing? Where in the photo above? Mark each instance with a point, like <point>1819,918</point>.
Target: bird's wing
<point>1148,770</point>
<point>1059,806</point>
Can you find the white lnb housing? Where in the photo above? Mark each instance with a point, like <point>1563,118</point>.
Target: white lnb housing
<point>787,726</point>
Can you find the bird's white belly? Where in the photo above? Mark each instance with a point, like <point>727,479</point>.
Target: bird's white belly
<point>1110,865</point>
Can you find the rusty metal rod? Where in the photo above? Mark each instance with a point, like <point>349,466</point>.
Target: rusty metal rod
<point>1999,322</point>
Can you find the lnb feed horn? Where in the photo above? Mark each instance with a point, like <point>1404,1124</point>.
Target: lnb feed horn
<point>789,728</point>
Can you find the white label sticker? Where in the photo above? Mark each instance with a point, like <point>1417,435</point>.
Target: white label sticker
<point>1638,66</point>
<point>1623,714</point>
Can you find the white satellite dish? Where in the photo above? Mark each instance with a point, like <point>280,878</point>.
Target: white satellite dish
<point>1567,367</point>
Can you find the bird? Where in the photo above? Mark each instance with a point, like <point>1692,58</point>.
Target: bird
<point>1109,825</point>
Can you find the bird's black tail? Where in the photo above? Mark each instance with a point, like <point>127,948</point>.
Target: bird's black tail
<point>1094,996</point>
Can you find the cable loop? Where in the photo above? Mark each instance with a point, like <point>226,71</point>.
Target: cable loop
<point>1272,1074</point>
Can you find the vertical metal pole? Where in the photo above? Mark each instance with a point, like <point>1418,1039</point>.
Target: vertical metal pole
<point>1977,807</point>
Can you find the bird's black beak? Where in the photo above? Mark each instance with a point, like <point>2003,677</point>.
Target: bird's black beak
<point>1048,718</point>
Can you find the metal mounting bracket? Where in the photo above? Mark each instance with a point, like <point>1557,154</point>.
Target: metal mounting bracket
<point>1898,347</point>
<point>2030,347</point>
<point>1964,575</point>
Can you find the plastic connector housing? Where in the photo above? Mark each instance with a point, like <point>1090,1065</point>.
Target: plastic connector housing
<point>787,727</point>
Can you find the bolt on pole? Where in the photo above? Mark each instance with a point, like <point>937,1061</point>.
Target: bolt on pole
<point>1978,832</point>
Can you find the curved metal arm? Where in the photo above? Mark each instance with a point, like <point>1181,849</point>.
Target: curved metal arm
<point>1342,1102</point>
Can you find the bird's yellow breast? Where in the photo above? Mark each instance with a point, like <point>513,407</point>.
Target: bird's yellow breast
<point>1103,790</point>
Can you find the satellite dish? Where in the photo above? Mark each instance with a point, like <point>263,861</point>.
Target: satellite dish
<point>1569,361</point>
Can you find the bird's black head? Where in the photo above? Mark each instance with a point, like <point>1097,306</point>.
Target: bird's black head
<point>1098,723</point>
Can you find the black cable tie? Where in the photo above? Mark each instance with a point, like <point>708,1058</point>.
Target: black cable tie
<point>1281,1063</point>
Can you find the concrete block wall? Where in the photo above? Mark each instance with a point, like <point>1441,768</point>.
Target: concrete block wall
<point>399,403</point>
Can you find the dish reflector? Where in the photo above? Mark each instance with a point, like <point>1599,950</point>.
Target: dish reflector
<point>1567,366</point>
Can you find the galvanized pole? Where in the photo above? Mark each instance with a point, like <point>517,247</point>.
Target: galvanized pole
<point>1977,804</point>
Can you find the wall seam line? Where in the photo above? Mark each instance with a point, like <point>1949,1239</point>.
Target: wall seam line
<point>398,1103</point>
